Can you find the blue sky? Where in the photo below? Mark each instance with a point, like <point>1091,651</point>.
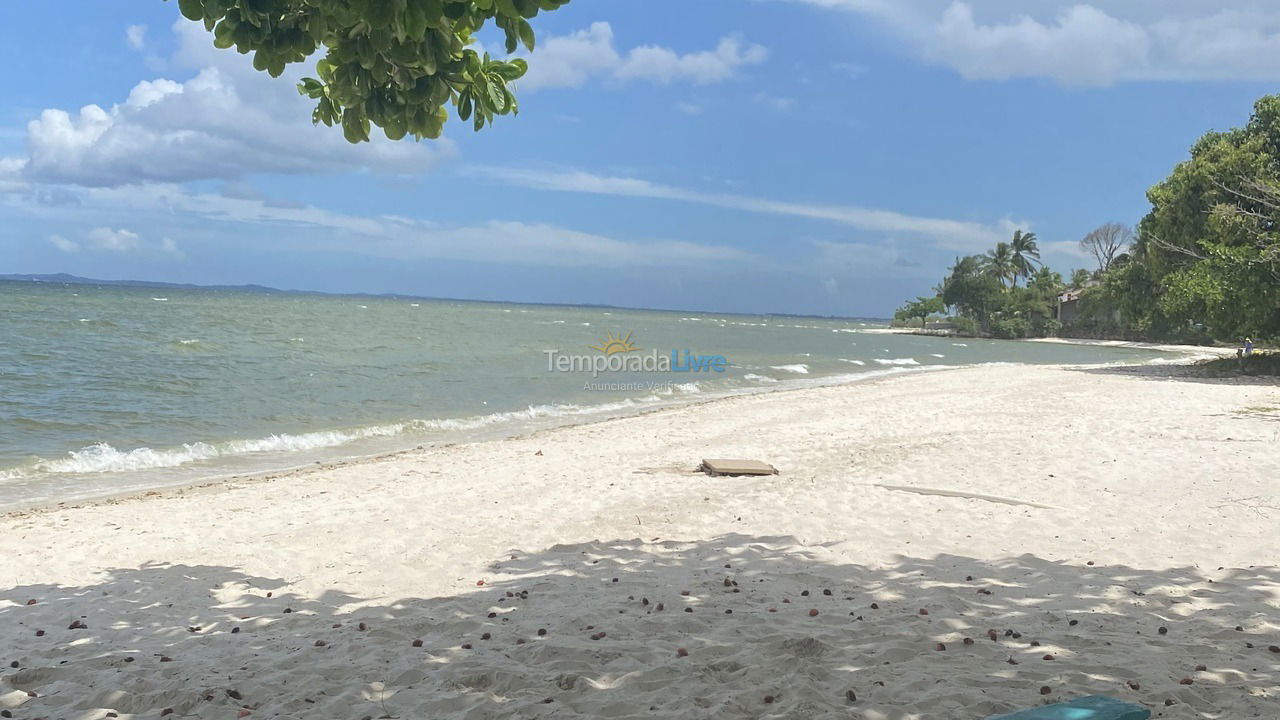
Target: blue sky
<point>807,156</point>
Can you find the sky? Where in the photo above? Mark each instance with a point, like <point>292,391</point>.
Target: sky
<point>827,157</point>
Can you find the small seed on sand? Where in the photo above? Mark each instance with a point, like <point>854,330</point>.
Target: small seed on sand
<point>644,601</point>
<point>1185,681</point>
<point>32,601</point>
<point>660,607</point>
<point>1089,563</point>
<point>466,646</point>
<point>288,610</point>
<point>1073,623</point>
<point>875,606</point>
<point>521,641</point>
<point>235,695</point>
<point>39,633</point>
<point>166,711</point>
<point>235,630</point>
<point>1045,689</point>
<point>485,636</point>
<point>479,583</point>
<point>542,632</point>
<point>1133,685</point>
<point>1170,701</point>
<point>1162,630</point>
<point>968,641</point>
<point>493,615</point>
<point>362,627</point>
<point>804,593</point>
<point>923,611</point>
<point>995,637</point>
<point>826,592</point>
<point>243,714</point>
<point>768,699</point>
<point>1047,657</point>
<point>1274,648</point>
<point>851,696</point>
<point>417,643</point>
<point>688,610</point>
<point>681,652</point>
<point>939,647</point>
<point>813,612</point>
<point>321,643</point>
<point>684,593</point>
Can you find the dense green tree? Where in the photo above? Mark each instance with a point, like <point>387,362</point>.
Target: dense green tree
<point>1024,254</point>
<point>1208,254</point>
<point>394,64</point>
<point>972,290</point>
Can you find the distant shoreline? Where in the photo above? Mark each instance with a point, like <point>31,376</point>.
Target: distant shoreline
<point>67,279</point>
<point>1198,352</point>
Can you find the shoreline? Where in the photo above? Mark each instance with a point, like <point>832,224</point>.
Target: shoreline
<point>1195,352</point>
<point>1065,520</point>
<point>213,482</point>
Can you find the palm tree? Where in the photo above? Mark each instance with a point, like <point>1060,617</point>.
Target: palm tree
<point>1000,263</point>
<point>1025,254</point>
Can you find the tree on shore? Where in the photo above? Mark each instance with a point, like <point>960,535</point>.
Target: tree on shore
<point>999,262</point>
<point>1025,254</point>
<point>394,64</point>
<point>1105,242</point>
<point>921,307</point>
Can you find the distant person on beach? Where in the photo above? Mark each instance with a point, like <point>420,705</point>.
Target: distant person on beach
<point>1248,347</point>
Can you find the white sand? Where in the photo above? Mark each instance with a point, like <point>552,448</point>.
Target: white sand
<point>980,495</point>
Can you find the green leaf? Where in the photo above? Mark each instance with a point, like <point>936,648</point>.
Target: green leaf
<point>526,33</point>
<point>191,9</point>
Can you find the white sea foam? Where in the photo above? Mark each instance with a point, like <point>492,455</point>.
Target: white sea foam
<point>897,361</point>
<point>938,355</point>
<point>161,299</point>
<point>852,362</point>
<point>759,378</point>
<point>961,344</point>
<point>797,368</point>
<point>188,342</point>
<point>104,458</point>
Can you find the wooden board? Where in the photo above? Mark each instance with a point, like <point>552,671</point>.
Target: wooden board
<point>715,467</point>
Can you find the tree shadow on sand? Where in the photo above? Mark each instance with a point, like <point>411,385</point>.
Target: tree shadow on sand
<point>736,627</point>
<point>1179,372</point>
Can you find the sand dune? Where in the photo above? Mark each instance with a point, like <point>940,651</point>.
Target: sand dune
<point>1113,528</point>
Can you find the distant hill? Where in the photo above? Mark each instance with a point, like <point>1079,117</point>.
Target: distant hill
<point>67,279</point>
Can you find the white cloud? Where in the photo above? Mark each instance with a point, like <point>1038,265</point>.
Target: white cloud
<point>951,234</point>
<point>227,122</point>
<point>689,108</point>
<point>571,60</point>
<point>136,36</point>
<point>781,104</point>
<point>121,240</point>
<point>169,247</point>
<point>1086,43</point>
<point>63,244</point>
<point>662,65</point>
<point>170,211</point>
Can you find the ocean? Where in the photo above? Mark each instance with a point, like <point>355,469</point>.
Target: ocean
<point>107,389</point>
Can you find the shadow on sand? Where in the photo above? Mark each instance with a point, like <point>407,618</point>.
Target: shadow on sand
<point>885,642</point>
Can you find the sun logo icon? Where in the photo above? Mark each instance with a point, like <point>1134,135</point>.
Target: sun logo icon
<point>614,344</point>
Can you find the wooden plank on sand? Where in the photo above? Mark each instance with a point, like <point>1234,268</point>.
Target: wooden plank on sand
<point>715,467</point>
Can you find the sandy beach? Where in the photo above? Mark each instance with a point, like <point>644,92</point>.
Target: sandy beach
<point>944,544</point>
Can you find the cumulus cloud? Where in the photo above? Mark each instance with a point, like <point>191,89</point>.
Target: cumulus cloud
<point>571,60</point>
<point>227,122</point>
<point>136,36</point>
<point>63,244</point>
<point>951,234</point>
<point>121,240</point>
<point>1086,43</point>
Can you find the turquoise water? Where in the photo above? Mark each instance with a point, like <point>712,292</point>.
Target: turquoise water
<point>107,389</point>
